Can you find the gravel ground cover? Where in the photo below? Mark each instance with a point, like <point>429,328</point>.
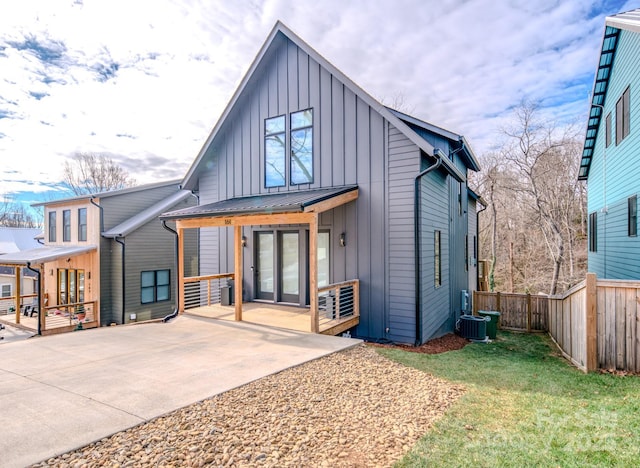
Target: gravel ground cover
<point>353,408</point>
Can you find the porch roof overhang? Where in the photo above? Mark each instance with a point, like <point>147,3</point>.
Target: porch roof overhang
<point>44,254</point>
<point>280,207</point>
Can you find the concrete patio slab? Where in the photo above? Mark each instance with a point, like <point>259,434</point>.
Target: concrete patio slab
<point>61,392</point>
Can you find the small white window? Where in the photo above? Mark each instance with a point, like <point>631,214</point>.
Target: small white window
<point>6,290</point>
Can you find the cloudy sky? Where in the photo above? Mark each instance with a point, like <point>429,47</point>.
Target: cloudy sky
<point>146,80</point>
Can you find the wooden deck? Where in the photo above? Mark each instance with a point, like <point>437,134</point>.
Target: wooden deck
<point>53,324</point>
<point>274,315</point>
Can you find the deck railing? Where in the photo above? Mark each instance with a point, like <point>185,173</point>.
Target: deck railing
<point>338,303</point>
<point>8,304</point>
<point>70,315</point>
<point>206,290</point>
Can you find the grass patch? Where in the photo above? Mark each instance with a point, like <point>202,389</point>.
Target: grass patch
<point>526,406</point>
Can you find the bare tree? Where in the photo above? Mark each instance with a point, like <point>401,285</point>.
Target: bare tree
<point>533,230</point>
<point>13,214</point>
<point>89,173</point>
<point>398,101</point>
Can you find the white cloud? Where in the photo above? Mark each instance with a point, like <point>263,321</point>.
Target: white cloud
<point>146,80</point>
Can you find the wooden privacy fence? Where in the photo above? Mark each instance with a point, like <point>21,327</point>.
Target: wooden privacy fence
<point>518,312</point>
<point>596,324</point>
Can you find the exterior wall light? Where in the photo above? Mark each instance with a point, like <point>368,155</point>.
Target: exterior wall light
<point>343,240</point>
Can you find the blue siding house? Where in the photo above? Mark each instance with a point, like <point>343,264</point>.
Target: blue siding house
<point>611,154</point>
<point>315,195</point>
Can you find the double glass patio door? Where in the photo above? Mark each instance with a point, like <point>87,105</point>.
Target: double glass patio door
<point>278,266</point>
<point>281,265</point>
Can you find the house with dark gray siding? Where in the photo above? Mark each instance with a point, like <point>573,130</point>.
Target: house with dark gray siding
<point>313,194</point>
<point>610,162</point>
<point>106,255</point>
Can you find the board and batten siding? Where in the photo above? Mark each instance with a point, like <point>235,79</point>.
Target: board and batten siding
<point>349,147</point>
<point>617,254</point>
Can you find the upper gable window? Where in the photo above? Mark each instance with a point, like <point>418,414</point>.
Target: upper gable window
<point>300,150</point>
<point>274,152</point>
<point>622,116</point>
<point>52,226</point>
<point>302,147</point>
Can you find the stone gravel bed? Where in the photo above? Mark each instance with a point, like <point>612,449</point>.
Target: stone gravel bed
<point>352,408</point>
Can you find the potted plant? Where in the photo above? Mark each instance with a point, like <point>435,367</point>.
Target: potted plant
<point>81,313</point>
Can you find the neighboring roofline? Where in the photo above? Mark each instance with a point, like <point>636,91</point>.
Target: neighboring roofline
<point>475,165</point>
<point>629,20</point>
<point>111,193</point>
<point>44,254</point>
<point>608,49</point>
<point>280,28</point>
<point>135,222</point>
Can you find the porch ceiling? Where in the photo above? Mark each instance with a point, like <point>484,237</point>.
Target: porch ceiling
<point>43,254</point>
<point>306,201</point>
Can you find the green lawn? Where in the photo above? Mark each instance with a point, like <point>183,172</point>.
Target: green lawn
<point>525,406</point>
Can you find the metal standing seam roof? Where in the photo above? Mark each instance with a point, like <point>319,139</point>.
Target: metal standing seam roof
<point>44,254</point>
<point>280,202</point>
<point>135,222</point>
<point>613,24</point>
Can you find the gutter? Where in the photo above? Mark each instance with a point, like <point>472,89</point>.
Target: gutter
<point>174,314</point>
<point>37,272</point>
<point>124,282</point>
<point>438,154</point>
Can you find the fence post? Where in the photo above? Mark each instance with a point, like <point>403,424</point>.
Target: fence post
<point>528,313</point>
<point>591,322</point>
<point>498,307</point>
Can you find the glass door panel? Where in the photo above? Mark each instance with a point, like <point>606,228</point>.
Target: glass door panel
<point>265,271</point>
<point>72,286</point>
<point>323,259</point>
<point>290,267</point>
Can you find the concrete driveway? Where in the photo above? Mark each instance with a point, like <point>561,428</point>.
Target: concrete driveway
<point>61,392</point>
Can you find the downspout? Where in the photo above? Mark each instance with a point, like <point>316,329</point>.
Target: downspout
<point>100,242</point>
<point>174,314</point>
<point>101,213</point>
<point>123,277</point>
<point>40,311</point>
<point>437,153</point>
<point>478,242</point>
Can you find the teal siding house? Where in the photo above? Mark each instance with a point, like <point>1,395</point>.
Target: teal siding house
<point>611,154</point>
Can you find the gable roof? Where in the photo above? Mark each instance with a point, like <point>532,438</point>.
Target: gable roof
<point>17,239</point>
<point>110,193</point>
<point>629,21</point>
<point>140,219</point>
<point>279,31</point>
<point>467,154</point>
